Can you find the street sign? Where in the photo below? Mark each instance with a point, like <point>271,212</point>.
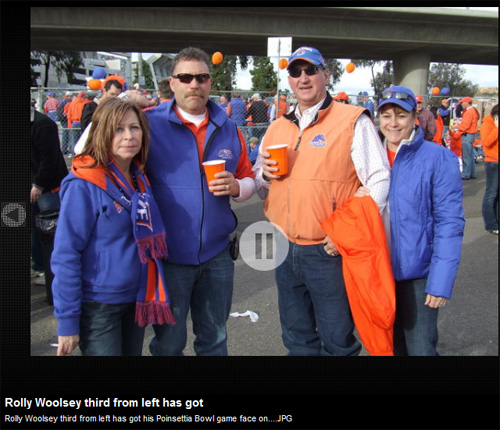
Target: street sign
<point>279,46</point>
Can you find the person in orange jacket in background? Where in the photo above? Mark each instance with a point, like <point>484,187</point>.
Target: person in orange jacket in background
<point>438,137</point>
<point>74,116</point>
<point>468,129</point>
<point>75,109</point>
<point>489,139</point>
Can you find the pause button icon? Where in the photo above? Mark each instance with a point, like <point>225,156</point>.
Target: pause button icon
<point>262,246</point>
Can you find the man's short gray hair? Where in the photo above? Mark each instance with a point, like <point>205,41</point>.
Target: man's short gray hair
<point>192,54</point>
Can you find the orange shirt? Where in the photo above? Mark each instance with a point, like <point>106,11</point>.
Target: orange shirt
<point>391,155</point>
<point>489,139</point>
<point>244,168</point>
<point>469,121</point>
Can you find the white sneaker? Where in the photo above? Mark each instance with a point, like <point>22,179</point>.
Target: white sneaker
<point>35,273</point>
<point>40,280</point>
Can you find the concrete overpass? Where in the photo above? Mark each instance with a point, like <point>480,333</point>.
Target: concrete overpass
<point>411,37</point>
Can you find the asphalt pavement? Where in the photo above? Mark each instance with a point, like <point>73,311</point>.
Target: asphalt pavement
<point>468,324</point>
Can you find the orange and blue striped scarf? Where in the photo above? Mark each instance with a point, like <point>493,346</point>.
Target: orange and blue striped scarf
<point>153,303</point>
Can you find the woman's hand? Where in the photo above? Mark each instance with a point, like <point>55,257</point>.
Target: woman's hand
<point>67,344</point>
<point>330,247</point>
<point>435,301</point>
<point>361,192</point>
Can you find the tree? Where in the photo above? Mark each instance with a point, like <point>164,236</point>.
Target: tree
<point>336,72</point>
<point>34,75</point>
<point>264,78</point>
<point>379,80</point>
<point>45,58</point>
<point>384,79</point>
<point>68,63</point>
<point>451,75</point>
<point>224,74</point>
<point>63,62</point>
<point>146,72</point>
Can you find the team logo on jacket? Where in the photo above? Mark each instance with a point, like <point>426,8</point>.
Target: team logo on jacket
<point>225,154</point>
<point>319,141</point>
<point>143,215</point>
<point>118,207</point>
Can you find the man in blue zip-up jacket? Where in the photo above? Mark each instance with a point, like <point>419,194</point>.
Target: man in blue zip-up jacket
<point>185,132</point>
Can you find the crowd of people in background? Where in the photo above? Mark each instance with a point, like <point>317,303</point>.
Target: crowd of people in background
<point>254,113</point>
<point>384,148</point>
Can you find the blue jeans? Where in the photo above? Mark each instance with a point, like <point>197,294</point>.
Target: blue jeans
<point>206,289</point>
<point>314,310</point>
<point>36,246</point>
<point>415,327</point>
<point>490,200</point>
<point>110,329</point>
<point>469,171</point>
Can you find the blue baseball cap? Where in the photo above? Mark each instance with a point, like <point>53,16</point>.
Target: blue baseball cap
<point>306,53</point>
<point>401,96</point>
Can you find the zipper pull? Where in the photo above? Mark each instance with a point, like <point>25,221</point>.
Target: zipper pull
<point>334,203</point>
<point>298,142</point>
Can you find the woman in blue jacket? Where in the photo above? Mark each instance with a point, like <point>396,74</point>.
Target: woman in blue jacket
<point>108,283</point>
<point>426,219</point>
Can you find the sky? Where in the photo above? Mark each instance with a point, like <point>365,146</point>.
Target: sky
<point>359,80</point>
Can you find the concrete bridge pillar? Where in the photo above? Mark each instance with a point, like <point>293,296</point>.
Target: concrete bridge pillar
<point>412,70</point>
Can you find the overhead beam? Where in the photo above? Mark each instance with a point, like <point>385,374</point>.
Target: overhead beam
<point>446,35</point>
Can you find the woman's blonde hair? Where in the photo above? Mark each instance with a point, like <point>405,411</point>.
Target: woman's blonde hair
<point>105,121</point>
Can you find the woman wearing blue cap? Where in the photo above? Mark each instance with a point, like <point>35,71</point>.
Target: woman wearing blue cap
<point>427,223</point>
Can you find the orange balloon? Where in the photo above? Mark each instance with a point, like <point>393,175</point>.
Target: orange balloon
<point>435,91</point>
<point>217,58</point>
<point>283,63</point>
<point>94,84</point>
<point>350,67</point>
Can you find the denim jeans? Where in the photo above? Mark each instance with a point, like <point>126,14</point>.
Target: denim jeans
<point>206,289</point>
<point>490,200</point>
<point>314,310</point>
<point>415,327</point>
<point>469,171</point>
<point>110,329</point>
<point>35,245</point>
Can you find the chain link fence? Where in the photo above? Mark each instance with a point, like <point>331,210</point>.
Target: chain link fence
<point>252,111</point>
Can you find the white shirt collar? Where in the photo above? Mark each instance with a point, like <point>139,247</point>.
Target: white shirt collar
<point>305,118</point>
<point>195,119</point>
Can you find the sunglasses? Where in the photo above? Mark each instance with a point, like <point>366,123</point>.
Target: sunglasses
<point>310,70</point>
<point>399,95</point>
<point>186,78</point>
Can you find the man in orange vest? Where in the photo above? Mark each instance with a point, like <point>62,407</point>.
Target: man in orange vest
<point>333,149</point>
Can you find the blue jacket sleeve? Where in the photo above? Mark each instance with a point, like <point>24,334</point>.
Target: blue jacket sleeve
<point>449,224</point>
<point>77,218</point>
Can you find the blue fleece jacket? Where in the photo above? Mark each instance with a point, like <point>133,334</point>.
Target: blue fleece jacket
<point>198,224</point>
<point>95,255</point>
